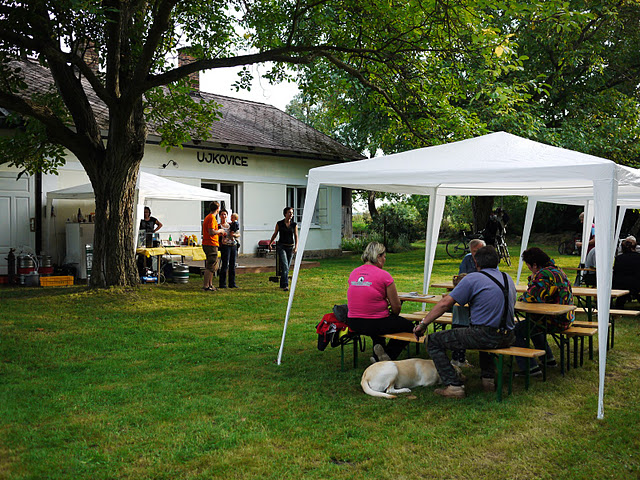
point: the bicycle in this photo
(568, 247)
(502, 249)
(459, 247)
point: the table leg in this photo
(500, 361)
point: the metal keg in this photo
(45, 267)
(26, 266)
(180, 273)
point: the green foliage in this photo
(358, 243)
(395, 220)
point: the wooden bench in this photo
(613, 314)
(588, 324)
(498, 355)
(576, 333)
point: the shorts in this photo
(212, 258)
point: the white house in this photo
(256, 153)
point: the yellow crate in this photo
(59, 281)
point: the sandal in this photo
(209, 289)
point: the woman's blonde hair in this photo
(372, 252)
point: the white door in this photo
(17, 215)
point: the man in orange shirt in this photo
(210, 245)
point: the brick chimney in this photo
(185, 58)
(87, 49)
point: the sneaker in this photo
(285, 289)
(452, 391)
(458, 363)
(222, 286)
(380, 353)
(488, 384)
(534, 372)
(552, 363)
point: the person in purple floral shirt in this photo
(547, 284)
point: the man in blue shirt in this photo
(491, 296)
(460, 314)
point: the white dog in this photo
(382, 379)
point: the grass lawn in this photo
(169, 382)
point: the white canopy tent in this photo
(148, 186)
(494, 164)
(628, 197)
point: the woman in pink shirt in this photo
(374, 305)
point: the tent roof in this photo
(149, 186)
(494, 164)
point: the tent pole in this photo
(436, 208)
(526, 234)
(605, 200)
(307, 215)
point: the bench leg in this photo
(500, 362)
(582, 350)
(342, 357)
(355, 351)
(561, 345)
(575, 352)
(510, 390)
(613, 332)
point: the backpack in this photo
(330, 330)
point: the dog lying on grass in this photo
(384, 379)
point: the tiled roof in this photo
(244, 123)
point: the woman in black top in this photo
(148, 226)
(287, 244)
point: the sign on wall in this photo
(223, 159)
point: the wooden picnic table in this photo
(524, 307)
(588, 292)
(521, 307)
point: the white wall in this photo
(17, 207)
(261, 178)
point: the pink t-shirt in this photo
(367, 293)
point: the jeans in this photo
(374, 327)
(539, 340)
(284, 253)
(461, 338)
(228, 255)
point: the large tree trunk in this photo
(371, 201)
(347, 213)
(481, 207)
(113, 175)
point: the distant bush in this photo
(398, 219)
(400, 244)
(358, 244)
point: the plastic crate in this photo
(58, 281)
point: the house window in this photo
(296, 197)
(230, 188)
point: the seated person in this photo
(547, 284)
(460, 314)
(626, 271)
(371, 294)
(589, 278)
(491, 296)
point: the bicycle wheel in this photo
(456, 248)
(566, 247)
(504, 253)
